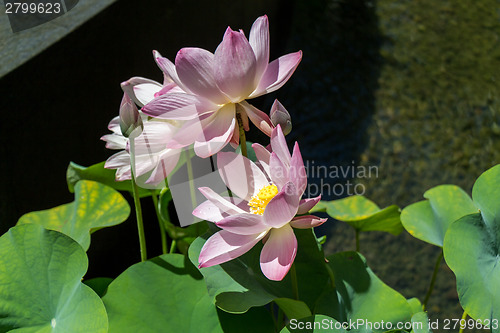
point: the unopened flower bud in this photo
(130, 120)
(280, 116)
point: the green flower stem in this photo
(294, 282)
(173, 246)
(137, 204)
(464, 316)
(357, 239)
(433, 280)
(243, 140)
(330, 274)
(189, 167)
(163, 234)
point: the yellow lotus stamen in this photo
(259, 201)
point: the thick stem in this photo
(464, 316)
(295, 286)
(137, 204)
(243, 140)
(433, 280)
(163, 233)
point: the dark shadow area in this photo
(331, 98)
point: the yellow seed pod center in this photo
(259, 201)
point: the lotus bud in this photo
(130, 120)
(280, 116)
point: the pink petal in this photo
(188, 132)
(278, 253)
(235, 66)
(307, 221)
(166, 163)
(263, 157)
(279, 146)
(259, 40)
(278, 171)
(154, 137)
(224, 246)
(297, 170)
(243, 224)
(217, 132)
(169, 87)
(178, 106)
(258, 118)
(168, 68)
(224, 205)
(283, 207)
(277, 73)
(240, 174)
(117, 160)
(114, 141)
(305, 205)
(208, 211)
(195, 67)
(140, 90)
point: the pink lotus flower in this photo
(216, 85)
(270, 202)
(152, 158)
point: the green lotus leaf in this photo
(96, 206)
(97, 172)
(41, 289)
(428, 220)
(472, 251)
(239, 284)
(362, 214)
(360, 295)
(168, 294)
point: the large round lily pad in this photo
(96, 206)
(41, 289)
(362, 214)
(472, 251)
(168, 294)
(428, 220)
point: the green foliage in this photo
(98, 173)
(472, 250)
(362, 214)
(168, 293)
(239, 284)
(96, 206)
(40, 290)
(183, 236)
(428, 220)
(360, 294)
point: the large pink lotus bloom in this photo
(270, 206)
(217, 85)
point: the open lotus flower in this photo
(269, 209)
(216, 85)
